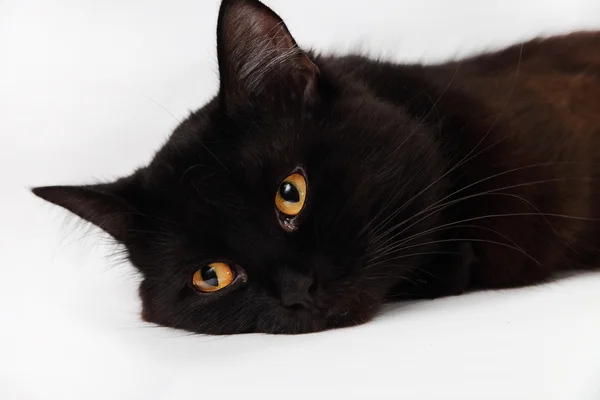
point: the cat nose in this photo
(295, 288)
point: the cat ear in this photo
(258, 57)
(104, 205)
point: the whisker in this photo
(432, 253)
(468, 155)
(398, 246)
(440, 207)
(129, 89)
(517, 215)
(501, 174)
(473, 240)
(398, 193)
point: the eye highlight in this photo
(213, 277)
(291, 195)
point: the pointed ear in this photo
(104, 205)
(258, 57)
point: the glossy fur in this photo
(422, 181)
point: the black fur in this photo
(391, 155)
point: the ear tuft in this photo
(257, 54)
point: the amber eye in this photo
(213, 277)
(291, 195)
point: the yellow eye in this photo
(291, 195)
(213, 277)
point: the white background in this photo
(79, 85)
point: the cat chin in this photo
(364, 308)
(307, 323)
(284, 321)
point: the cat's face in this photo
(272, 209)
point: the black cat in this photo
(311, 189)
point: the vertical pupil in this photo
(209, 276)
(289, 192)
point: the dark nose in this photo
(295, 288)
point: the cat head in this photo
(280, 205)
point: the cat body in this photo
(312, 189)
(523, 126)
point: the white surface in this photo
(75, 78)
